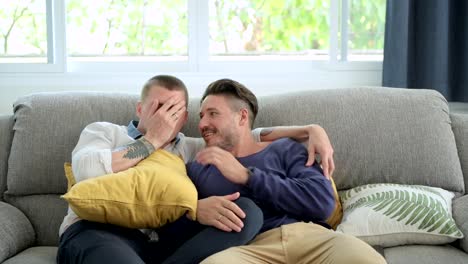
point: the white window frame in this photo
(198, 50)
(56, 55)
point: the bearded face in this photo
(218, 123)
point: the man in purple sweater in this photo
(295, 199)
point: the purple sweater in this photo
(281, 185)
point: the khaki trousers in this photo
(300, 243)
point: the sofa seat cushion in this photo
(35, 255)
(421, 254)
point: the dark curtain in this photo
(426, 46)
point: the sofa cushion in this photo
(35, 255)
(337, 215)
(421, 254)
(67, 167)
(378, 134)
(45, 212)
(47, 128)
(16, 232)
(460, 129)
(154, 192)
(394, 214)
(6, 124)
(460, 214)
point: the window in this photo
(260, 28)
(23, 32)
(32, 41)
(366, 30)
(137, 29)
(189, 35)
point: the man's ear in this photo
(138, 109)
(244, 117)
(185, 116)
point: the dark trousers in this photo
(183, 241)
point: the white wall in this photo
(15, 85)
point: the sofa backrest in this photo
(47, 127)
(409, 129)
(379, 135)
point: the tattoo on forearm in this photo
(141, 148)
(266, 131)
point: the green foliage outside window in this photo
(23, 30)
(151, 27)
(270, 26)
(367, 25)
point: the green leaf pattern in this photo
(414, 205)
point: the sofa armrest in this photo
(16, 231)
(460, 214)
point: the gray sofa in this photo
(379, 135)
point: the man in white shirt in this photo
(105, 148)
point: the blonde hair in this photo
(168, 82)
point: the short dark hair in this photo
(169, 82)
(237, 91)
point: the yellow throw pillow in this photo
(335, 218)
(67, 167)
(154, 192)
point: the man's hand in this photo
(320, 143)
(221, 212)
(158, 123)
(226, 163)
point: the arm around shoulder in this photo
(300, 191)
(318, 142)
(299, 133)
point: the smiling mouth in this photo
(208, 134)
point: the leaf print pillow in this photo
(393, 214)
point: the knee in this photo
(354, 250)
(253, 220)
(97, 246)
(211, 260)
(362, 258)
(253, 213)
(223, 257)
